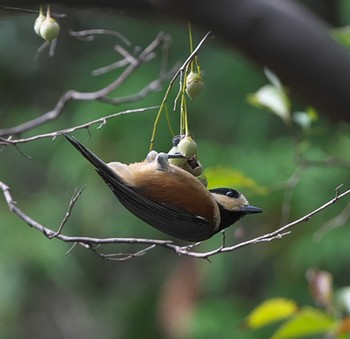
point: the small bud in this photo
(187, 147)
(49, 29)
(194, 84)
(39, 21)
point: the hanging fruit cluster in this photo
(184, 144)
(45, 26)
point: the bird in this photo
(169, 198)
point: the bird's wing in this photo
(168, 219)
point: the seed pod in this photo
(49, 29)
(179, 162)
(194, 84)
(193, 166)
(39, 21)
(187, 147)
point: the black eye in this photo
(233, 194)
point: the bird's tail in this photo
(101, 167)
(128, 197)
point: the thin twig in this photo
(53, 135)
(152, 87)
(125, 256)
(336, 222)
(32, 11)
(109, 68)
(72, 202)
(89, 35)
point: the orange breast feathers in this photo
(171, 185)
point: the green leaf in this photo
(272, 77)
(274, 99)
(309, 321)
(302, 119)
(221, 176)
(271, 311)
(305, 119)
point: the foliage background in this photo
(45, 293)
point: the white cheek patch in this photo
(229, 203)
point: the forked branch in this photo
(130, 63)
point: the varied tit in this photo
(169, 198)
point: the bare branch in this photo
(109, 68)
(32, 11)
(53, 135)
(94, 244)
(133, 63)
(86, 242)
(89, 35)
(153, 86)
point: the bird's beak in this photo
(251, 209)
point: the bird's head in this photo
(233, 206)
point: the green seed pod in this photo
(194, 84)
(49, 29)
(39, 21)
(187, 147)
(179, 162)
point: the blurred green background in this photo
(46, 293)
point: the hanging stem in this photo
(168, 120)
(196, 60)
(183, 107)
(185, 116)
(191, 42)
(182, 72)
(162, 106)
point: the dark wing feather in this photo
(168, 219)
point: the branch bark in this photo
(281, 35)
